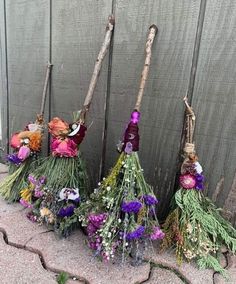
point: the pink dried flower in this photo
(187, 181)
(25, 203)
(23, 153)
(157, 234)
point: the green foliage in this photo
(210, 261)
(11, 186)
(198, 230)
(63, 172)
(125, 183)
(60, 172)
(62, 278)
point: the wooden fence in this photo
(194, 54)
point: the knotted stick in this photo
(151, 35)
(39, 119)
(97, 68)
(190, 120)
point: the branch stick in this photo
(151, 35)
(97, 67)
(49, 66)
(190, 121)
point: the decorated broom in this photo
(195, 226)
(26, 146)
(120, 216)
(59, 184)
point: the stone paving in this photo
(30, 253)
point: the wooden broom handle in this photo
(42, 108)
(151, 35)
(97, 67)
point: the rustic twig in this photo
(42, 108)
(189, 147)
(151, 35)
(97, 67)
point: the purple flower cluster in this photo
(95, 223)
(66, 211)
(136, 234)
(96, 244)
(150, 199)
(37, 185)
(199, 181)
(131, 206)
(30, 215)
(157, 234)
(13, 158)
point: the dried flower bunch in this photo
(66, 183)
(26, 147)
(195, 226)
(120, 214)
(58, 185)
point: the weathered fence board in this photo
(71, 33)
(214, 101)
(78, 29)
(3, 82)
(162, 107)
(28, 52)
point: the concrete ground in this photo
(32, 254)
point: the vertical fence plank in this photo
(162, 107)
(3, 83)
(78, 29)
(214, 101)
(28, 52)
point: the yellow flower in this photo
(45, 212)
(26, 194)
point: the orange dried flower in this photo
(35, 141)
(24, 134)
(58, 127)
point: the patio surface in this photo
(30, 253)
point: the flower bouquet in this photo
(26, 147)
(120, 215)
(195, 226)
(63, 172)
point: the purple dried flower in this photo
(42, 180)
(13, 158)
(150, 199)
(66, 211)
(96, 245)
(31, 217)
(97, 219)
(136, 234)
(38, 193)
(91, 229)
(157, 234)
(77, 200)
(32, 179)
(128, 148)
(131, 207)
(25, 203)
(199, 181)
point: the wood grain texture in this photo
(3, 84)
(162, 107)
(78, 30)
(214, 101)
(28, 52)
